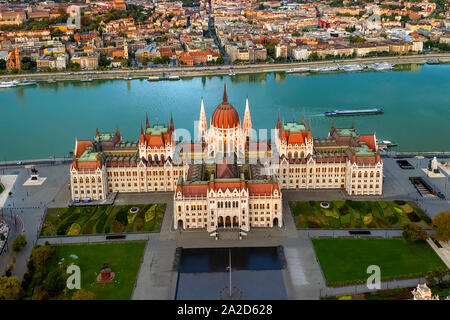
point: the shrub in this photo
(74, 230)
(19, 242)
(122, 217)
(412, 233)
(400, 202)
(343, 210)
(83, 295)
(441, 224)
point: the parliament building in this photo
(226, 177)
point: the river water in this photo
(44, 120)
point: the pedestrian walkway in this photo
(443, 253)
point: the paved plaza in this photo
(157, 278)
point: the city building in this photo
(227, 177)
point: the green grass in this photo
(124, 259)
(358, 214)
(345, 261)
(102, 219)
(1, 188)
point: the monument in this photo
(422, 292)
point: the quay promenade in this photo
(196, 71)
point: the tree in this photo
(83, 295)
(40, 255)
(19, 242)
(413, 232)
(10, 288)
(295, 34)
(220, 60)
(74, 66)
(28, 63)
(55, 282)
(103, 61)
(144, 61)
(441, 224)
(56, 33)
(2, 64)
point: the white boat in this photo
(174, 77)
(153, 78)
(329, 68)
(381, 66)
(8, 84)
(315, 69)
(352, 67)
(297, 70)
(26, 82)
(87, 79)
(231, 73)
(53, 80)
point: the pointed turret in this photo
(97, 133)
(278, 121)
(142, 139)
(309, 130)
(225, 97)
(303, 117)
(247, 120)
(172, 127)
(202, 124)
(117, 132)
(147, 125)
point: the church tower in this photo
(247, 120)
(125, 49)
(202, 124)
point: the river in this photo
(44, 120)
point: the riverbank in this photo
(216, 70)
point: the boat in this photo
(337, 113)
(231, 73)
(314, 69)
(383, 144)
(329, 68)
(431, 62)
(128, 77)
(86, 79)
(352, 67)
(153, 78)
(297, 70)
(26, 82)
(174, 77)
(382, 66)
(8, 84)
(53, 80)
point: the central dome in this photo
(225, 116)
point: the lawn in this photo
(345, 261)
(357, 214)
(102, 219)
(124, 259)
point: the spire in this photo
(225, 97)
(172, 127)
(303, 116)
(147, 125)
(142, 130)
(202, 124)
(332, 123)
(97, 133)
(353, 124)
(247, 120)
(117, 132)
(278, 121)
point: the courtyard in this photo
(345, 261)
(73, 221)
(357, 214)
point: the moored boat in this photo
(298, 70)
(337, 113)
(86, 79)
(8, 84)
(26, 82)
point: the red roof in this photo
(225, 116)
(369, 140)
